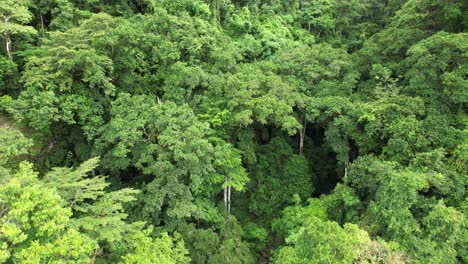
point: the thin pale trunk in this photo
(301, 142)
(225, 194)
(93, 258)
(346, 169)
(320, 32)
(229, 199)
(7, 40)
(42, 23)
(302, 132)
(8, 46)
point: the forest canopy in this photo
(233, 131)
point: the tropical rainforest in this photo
(233, 131)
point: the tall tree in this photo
(14, 14)
(34, 224)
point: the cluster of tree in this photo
(233, 131)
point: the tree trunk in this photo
(8, 45)
(229, 200)
(93, 258)
(320, 32)
(346, 169)
(227, 196)
(215, 6)
(7, 39)
(42, 23)
(302, 132)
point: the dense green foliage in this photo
(233, 131)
